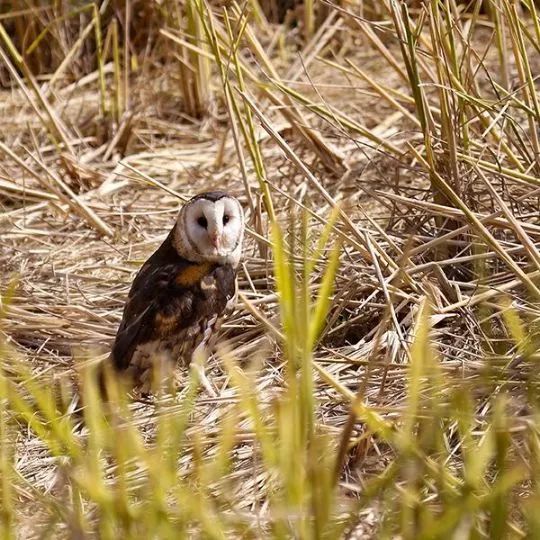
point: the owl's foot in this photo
(199, 369)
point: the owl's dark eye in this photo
(202, 222)
(226, 219)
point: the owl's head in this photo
(210, 228)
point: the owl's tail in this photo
(94, 386)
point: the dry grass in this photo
(417, 128)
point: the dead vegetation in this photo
(413, 128)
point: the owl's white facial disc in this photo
(211, 230)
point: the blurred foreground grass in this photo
(448, 475)
(111, 483)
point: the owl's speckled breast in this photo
(165, 355)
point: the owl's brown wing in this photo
(155, 293)
(224, 278)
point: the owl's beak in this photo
(214, 240)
